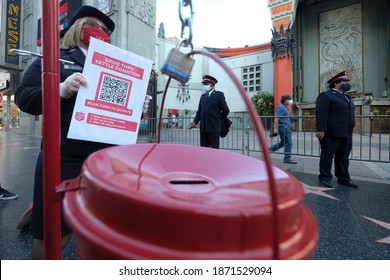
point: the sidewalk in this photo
(353, 224)
(378, 172)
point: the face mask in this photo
(290, 101)
(94, 33)
(345, 87)
(206, 88)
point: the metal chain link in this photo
(186, 22)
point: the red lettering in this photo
(9, 47)
(12, 28)
(64, 8)
(13, 23)
(13, 35)
(13, 10)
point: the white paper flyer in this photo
(109, 109)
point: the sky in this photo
(218, 23)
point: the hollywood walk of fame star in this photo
(317, 191)
(385, 240)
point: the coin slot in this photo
(188, 182)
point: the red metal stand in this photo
(259, 132)
(51, 128)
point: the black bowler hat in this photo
(209, 79)
(89, 11)
(342, 76)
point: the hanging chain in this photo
(186, 22)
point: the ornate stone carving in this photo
(143, 10)
(341, 45)
(28, 8)
(161, 31)
(283, 42)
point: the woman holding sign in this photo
(86, 23)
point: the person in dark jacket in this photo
(212, 110)
(86, 22)
(335, 120)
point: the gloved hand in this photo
(146, 103)
(72, 84)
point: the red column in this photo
(282, 79)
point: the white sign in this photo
(109, 109)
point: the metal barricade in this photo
(176, 130)
(371, 141)
(371, 137)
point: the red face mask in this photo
(94, 33)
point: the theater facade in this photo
(315, 39)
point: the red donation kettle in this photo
(167, 201)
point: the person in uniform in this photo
(212, 110)
(335, 120)
(87, 22)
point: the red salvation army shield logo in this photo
(80, 116)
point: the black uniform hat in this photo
(342, 76)
(89, 11)
(209, 79)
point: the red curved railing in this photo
(260, 134)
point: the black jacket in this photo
(28, 97)
(335, 114)
(211, 111)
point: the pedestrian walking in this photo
(282, 127)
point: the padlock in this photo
(178, 66)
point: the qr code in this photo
(114, 90)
